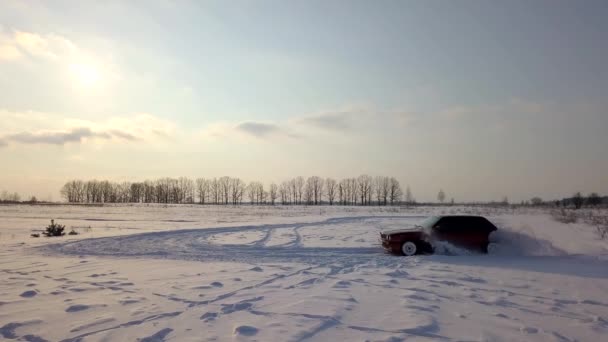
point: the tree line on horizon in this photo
(362, 190)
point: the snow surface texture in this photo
(190, 273)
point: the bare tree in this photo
(594, 199)
(252, 192)
(308, 191)
(317, 189)
(215, 191)
(364, 183)
(409, 198)
(536, 201)
(342, 192)
(228, 190)
(395, 192)
(353, 191)
(441, 196)
(136, 192)
(285, 193)
(225, 189)
(330, 190)
(299, 189)
(237, 188)
(261, 195)
(202, 190)
(577, 200)
(381, 187)
(273, 192)
(123, 192)
(185, 190)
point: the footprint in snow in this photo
(215, 284)
(33, 338)
(230, 308)
(8, 330)
(397, 274)
(129, 301)
(256, 269)
(472, 280)
(159, 336)
(591, 302)
(342, 284)
(77, 307)
(209, 316)
(28, 294)
(240, 306)
(246, 330)
(528, 330)
(82, 307)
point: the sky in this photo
(481, 99)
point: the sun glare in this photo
(85, 75)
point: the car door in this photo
(455, 230)
(445, 230)
(479, 236)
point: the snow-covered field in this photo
(191, 273)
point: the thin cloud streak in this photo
(51, 130)
(258, 129)
(75, 135)
(336, 121)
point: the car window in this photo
(445, 224)
(461, 224)
(429, 222)
(484, 224)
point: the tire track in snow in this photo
(193, 244)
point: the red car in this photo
(471, 232)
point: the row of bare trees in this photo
(6, 196)
(363, 190)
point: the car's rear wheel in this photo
(409, 248)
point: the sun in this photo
(85, 75)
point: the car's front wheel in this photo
(409, 248)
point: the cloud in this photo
(52, 51)
(335, 121)
(75, 135)
(123, 135)
(49, 129)
(317, 124)
(53, 138)
(9, 52)
(249, 129)
(18, 44)
(258, 129)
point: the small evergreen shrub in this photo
(54, 229)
